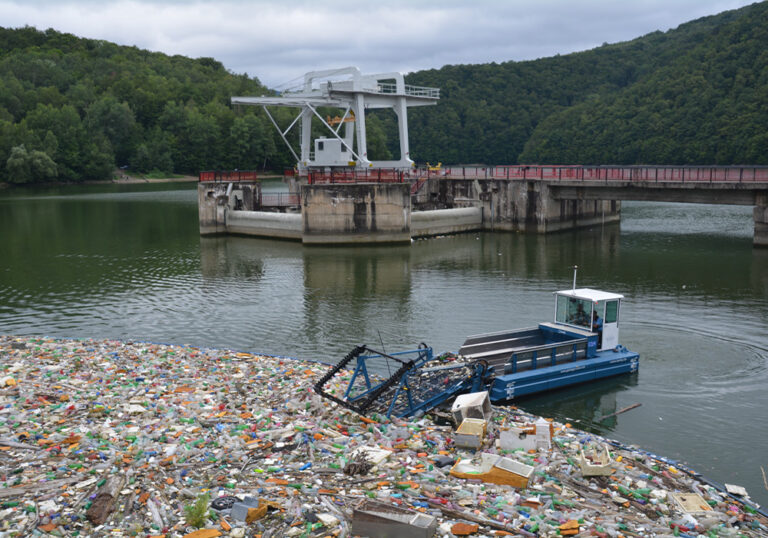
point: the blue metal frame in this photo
(424, 355)
(403, 396)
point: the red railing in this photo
(358, 176)
(227, 175)
(417, 185)
(731, 174)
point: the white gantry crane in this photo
(351, 91)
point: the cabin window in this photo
(343, 148)
(320, 146)
(573, 311)
(611, 311)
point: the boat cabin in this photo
(591, 310)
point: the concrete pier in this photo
(356, 213)
(760, 215)
(353, 213)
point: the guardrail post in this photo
(554, 356)
(533, 360)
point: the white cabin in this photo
(577, 308)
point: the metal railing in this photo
(389, 88)
(681, 174)
(546, 355)
(357, 176)
(220, 176)
(279, 199)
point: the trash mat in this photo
(110, 438)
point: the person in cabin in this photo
(597, 327)
(580, 317)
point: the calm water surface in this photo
(127, 262)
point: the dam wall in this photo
(446, 221)
(357, 213)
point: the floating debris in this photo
(108, 438)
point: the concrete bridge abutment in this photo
(760, 216)
(353, 213)
(529, 206)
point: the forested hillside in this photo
(73, 109)
(697, 94)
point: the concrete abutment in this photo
(388, 213)
(760, 216)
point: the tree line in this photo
(73, 109)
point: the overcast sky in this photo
(279, 40)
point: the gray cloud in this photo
(278, 41)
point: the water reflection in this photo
(584, 405)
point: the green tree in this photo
(30, 166)
(115, 121)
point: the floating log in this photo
(620, 411)
(104, 502)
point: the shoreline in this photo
(125, 180)
(172, 422)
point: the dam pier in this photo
(395, 206)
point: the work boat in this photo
(581, 344)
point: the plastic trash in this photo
(138, 433)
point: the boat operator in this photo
(597, 326)
(580, 317)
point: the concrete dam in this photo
(382, 206)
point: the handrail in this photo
(223, 176)
(380, 175)
(389, 88)
(279, 199)
(623, 173)
(575, 345)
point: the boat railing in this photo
(542, 356)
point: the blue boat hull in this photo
(605, 364)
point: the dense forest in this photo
(697, 94)
(73, 109)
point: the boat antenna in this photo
(575, 268)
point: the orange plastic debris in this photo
(464, 529)
(255, 514)
(203, 533)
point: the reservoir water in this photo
(127, 262)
